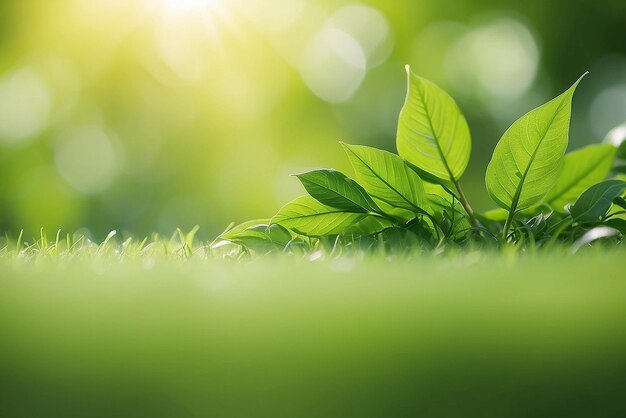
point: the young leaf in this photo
(620, 202)
(581, 169)
(596, 201)
(236, 229)
(386, 177)
(335, 189)
(448, 214)
(263, 238)
(527, 161)
(432, 133)
(307, 216)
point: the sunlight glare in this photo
(212, 11)
(189, 5)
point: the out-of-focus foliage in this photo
(153, 114)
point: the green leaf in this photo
(620, 169)
(594, 234)
(368, 226)
(619, 201)
(439, 198)
(263, 238)
(428, 179)
(621, 145)
(617, 223)
(335, 189)
(448, 213)
(581, 169)
(432, 133)
(495, 215)
(445, 209)
(527, 161)
(500, 214)
(399, 214)
(596, 201)
(236, 229)
(386, 177)
(307, 216)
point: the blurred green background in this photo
(146, 115)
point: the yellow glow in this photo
(190, 5)
(209, 10)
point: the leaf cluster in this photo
(414, 199)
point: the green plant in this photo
(545, 196)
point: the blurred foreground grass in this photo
(467, 335)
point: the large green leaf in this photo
(368, 226)
(581, 169)
(333, 188)
(399, 214)
(307, 216)
(386, 177)
(596, 201)
(432, 133)
(527, 161)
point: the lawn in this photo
(468, 335)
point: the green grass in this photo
(166, 329)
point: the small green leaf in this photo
(263, 238)
(439, 198)
(445, 209)
(335, 189)
(527, 160)
(307, 216)
(386, 177)
(619, 201)
(236, 229)
(581, 169)
(432, 133)
(448, 213)
(596, 201)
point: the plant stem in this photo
(466, 205)
(507, 224)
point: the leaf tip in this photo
(345, 145)
(580, 79)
